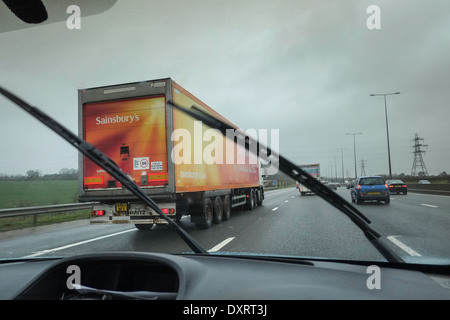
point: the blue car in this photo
(372, 188)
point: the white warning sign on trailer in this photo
(156, 165)
(141, 163)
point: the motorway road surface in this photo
(416, 226)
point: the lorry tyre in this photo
(218, 210)
(226, 208)
(259, 197)
(250, 205)
(143, 226)
(206, 215)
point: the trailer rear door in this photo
(132, 132)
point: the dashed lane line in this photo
(221, 245)
(403, 246)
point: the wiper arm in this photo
(103, 161)
(304, 178)
(138, 295)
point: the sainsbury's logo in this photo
(117, 119)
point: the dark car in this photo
(372, 188)
(333, 185)
(397, 186)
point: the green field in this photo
(16, 194)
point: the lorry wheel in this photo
(206, 215)
(218, 210)
(226, 208)
(143, 226)
(250, 205)
(259, 197)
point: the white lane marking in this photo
(275, 209)
(267, 194)
(403, 246)
(39, 253)
(286, 200)
(428, 205)
(221, 245)
(425, 194)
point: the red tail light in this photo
(168, 210)
(358, 187)
(98, 212)
(386, 186)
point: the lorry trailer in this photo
(186, 167)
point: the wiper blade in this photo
(302, 177)
(103, 161)
(137, 295)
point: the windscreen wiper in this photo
(298, 174)
(112, 294)
(103, 161)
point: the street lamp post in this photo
(342, 162)
(354, 149)
(387, 127)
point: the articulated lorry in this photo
(313, 170)
(186, 167)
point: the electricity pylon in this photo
(419, 167)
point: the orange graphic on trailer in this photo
(133, 134)
(196, 174)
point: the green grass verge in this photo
(15, 223)
(18, 194)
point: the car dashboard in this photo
(211, 277)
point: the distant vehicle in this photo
(371, 188)
(424, 182)
(333, 185)
(350, 184)
(313, 170)
(397, 186)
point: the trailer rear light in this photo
(98, 213)
(158, 177)
(168, 210)
(93, 180)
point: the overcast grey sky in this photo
(306, 68)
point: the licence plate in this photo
(373, 192)
(398, 186)
(121, 207)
